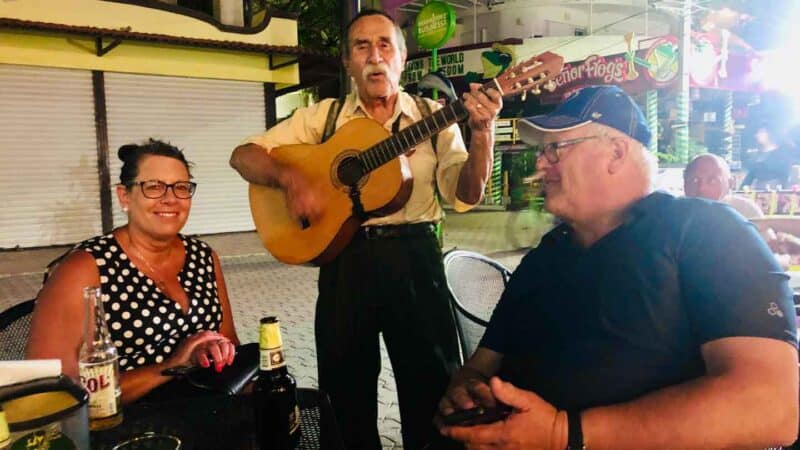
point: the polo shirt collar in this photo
(648, 204)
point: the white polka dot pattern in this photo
(141, 329)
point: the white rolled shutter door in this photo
(205, 118)
(48, 176)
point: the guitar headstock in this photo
(531, 75)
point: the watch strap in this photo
(575, 431)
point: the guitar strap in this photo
(336, 109)
(333, 116)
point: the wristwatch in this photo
(575, 436)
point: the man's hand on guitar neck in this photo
(483, 107)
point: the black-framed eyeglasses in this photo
(551, 149)
(157, 188)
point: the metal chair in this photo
(476, 283)
(15, 324)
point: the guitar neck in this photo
(420, 131)
(400, 142)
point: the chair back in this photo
(476, 283)
(15, 325)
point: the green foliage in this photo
(318, 22)
(523, 164)
(668, 158)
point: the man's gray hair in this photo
(345, 44)
(646, 161)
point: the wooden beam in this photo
(101, 135)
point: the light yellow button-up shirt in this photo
(443, 166)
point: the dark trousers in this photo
(395, 286)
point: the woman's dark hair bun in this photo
(131, 154)
(127, 151)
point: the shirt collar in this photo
(353, 105)
(648, 204)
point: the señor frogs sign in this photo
(594, 70)
(636, 71)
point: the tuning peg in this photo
(524, 95)
(535, 90)
(550, 86)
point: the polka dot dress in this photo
(146, 325)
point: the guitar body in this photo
(384, 190)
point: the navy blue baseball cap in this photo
(606, 104)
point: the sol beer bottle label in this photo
(98, 379)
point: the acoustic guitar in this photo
(362, 172)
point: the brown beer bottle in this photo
(275, 393)
(98, 364)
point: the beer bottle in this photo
(275, 393)
(98, 364)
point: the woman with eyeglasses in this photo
(164, 294)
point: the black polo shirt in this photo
(584, 327)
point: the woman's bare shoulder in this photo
(72, 273)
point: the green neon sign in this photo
(435, 25)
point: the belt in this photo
(396, 231)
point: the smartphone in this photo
(477, 416)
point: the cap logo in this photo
(596, 115)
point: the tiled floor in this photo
(259, 286)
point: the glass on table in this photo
(150, 441)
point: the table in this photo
(221, 422)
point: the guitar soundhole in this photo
(349, 171)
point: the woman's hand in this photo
(200, 348)
(220, 351)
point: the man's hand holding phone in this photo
(469, 401)
(477, 416)
(527, 422)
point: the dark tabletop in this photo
(220, 422)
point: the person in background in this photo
(709, 176)
(389, 280)
(644, 321)
(771, 166)
(163, 293)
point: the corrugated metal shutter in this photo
(207, 119)
(48, 175)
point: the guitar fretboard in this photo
(399, 143)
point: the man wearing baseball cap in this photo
(642, 321)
